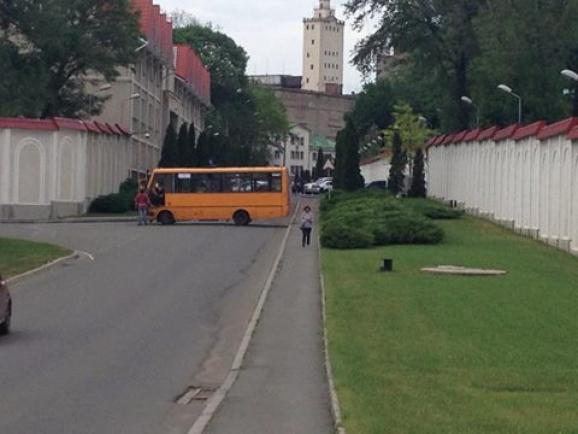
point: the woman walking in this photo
(306, 225)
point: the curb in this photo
(44, 267)
(335, 406)
(72, 220)
(219, 396)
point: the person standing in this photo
(142, 204)
(306, 225)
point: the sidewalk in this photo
(282, 387)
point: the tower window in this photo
(312, 67)
(308, 55)
(312, 26)
(307, 26)
(312, 41)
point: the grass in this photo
(420, 353)
(18, 256)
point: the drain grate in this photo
(194, 393)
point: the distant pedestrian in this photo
(306, 225)
(142, 204)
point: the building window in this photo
(312, 26)
(312, 41)
(308, 55)
(306, 80)
(307, 26)
(312, 67)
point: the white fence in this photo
(525, 177)
(54, 167)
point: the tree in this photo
(189, 157)
(319, 163)
(67, 41)
(411, 127)
(202, 150)
(183, 146)
(347, 175)
(418, 188)
(437, 34)
(170, 150)
(246, 117)
(398, 164)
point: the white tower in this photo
(323, 51)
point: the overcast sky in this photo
(271, 31)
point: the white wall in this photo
(56, 172)
(530, 185)
(376, 170)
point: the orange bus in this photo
(241, 194)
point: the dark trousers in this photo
(306, 236)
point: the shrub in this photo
(338, 235)
(433, 210)
(111, 203)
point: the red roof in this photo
(190, 68)
(528, 130)
(558, 128)
(122, 130)
(90, 126)
(28, 124)
(505, 133)
(103, 128)
(69, 124)
(439, 139)
(472, 135)
(156, 28)
(487, 134)
(448, 139)
(458, 138)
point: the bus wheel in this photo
(166, 218)
(241, 218)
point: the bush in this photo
(359, 220)
(338, 235)
(433, 210)
(111, 203)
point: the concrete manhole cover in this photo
(463, 271)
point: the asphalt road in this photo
(108, 345)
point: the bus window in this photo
(276, 182)
(207, 183)
(183, 183)
(237, 182)
(261, 182)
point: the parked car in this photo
(311, 188)
(326, 185)
(382, 185)
(5, 308)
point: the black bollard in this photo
(387, 264)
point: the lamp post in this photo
(571, 75)
(469, 101)
(130, 98)
(508, 90)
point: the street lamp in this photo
(144, 44)
(134, 95)
(508, 89)
(469, 101)
(568, 73)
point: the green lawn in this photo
(419, 353)
(18, 256)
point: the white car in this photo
(311, 188)
(326, 185)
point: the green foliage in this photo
(48, 47)
(170, 149)
(202, 156)
(246, 118)
(412, 128)
(398, 164)
(115, 203)
(188, 156)
(418, 188)
(447, 50)
(183, 147)
(432, 210)
(347, 173)
(373, 218)
(319, 163)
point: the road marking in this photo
(220, 394)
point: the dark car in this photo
(381, 185)
(5, 307)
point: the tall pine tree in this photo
(418, 188)
(202, 150)
(340, 157)
(320, 163)
(182, 145)
(398, 163)
(170, 151)
(352, 178)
